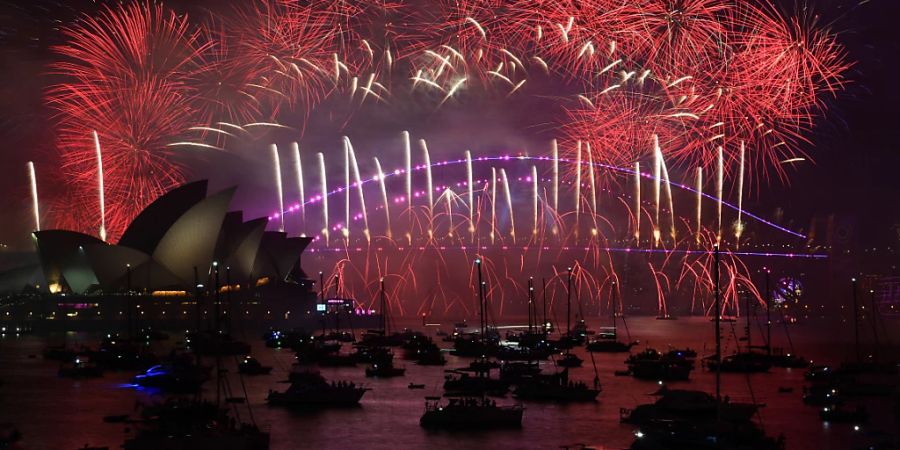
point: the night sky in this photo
(854, 146)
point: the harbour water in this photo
(55, 413)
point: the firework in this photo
(137, 104)
(32, 178)
(686, 86)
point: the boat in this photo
(779, 358)
(150, 334)
(819, 373)
(653, 365)
(382, 337)
(691, 419)
(838, 414)
(251, 366)
(724, 319)
(475, 344)
(183, 424)
(682, 404)
(339, 336)
(309, 388)
(708, 435)
(314, 350)
(469, 413)
(80, 367)
(569, 360)
(555, 388)
(686, 352)
(384, 370)
(431, 358)
(822, 395)
(607, 341)
(520, 353)
(743, 362)
(180, 376)
(570, 339)
(459, 383)
(316, 392)
(119, 353)
(373, 354)
(481, 365)
(517, 370)
(274, 339)
(216, 344)
(607, 345)
(424, 352)
(337, 360)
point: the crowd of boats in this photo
(533, 364)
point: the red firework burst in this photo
(123, 74)
(697, 73)
(227, 87)
(291, 47)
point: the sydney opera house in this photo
(179, 255)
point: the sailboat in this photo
(531, 344)
(198, 423)
(571, 338)
(608, 341)
(382, 336)
(747, 361)
(860, 377)
(375, 350)
(459, 381)
(485, 342)
(695, 419)
(778, 356)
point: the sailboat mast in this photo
(197, 293)
(747, 314)
(337, 294)
(768, 315)
(718, 330)
(544, 294)
(615, 305)
(874, 315)
(322, 299)
(383, 311)
(569, 306)
(855, 321)
(216, 336)
(531, 312)
(228, 310)
(481, 301)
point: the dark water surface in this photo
(55, 413)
